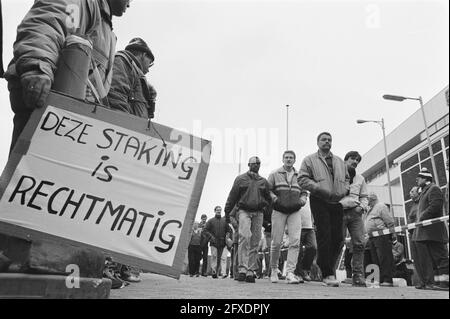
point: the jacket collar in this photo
(253, 175)
(282, 170)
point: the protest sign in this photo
(106, 180)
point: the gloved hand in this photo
(302, 201)
(36, 88)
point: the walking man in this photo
(288, 198)
(325, 176)
(218, 228)
(251, 194)
(353, 217)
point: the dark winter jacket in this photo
(250, 192)
(130, 91)
(218, 229)
(430, 206)
(285, 194)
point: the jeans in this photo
(354, 223)
(219, 253)
(194, 255)
(308, 253)
(328, 219)
(381, 255)
(250, 225)
(294, 225)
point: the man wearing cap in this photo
(325, 176)
(430, 241)
(251, 194)
(130, 92)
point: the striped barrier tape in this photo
(400, 229)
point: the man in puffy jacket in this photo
(251, 194)
(40, 38)
(325, 176)
(130, 92)
(288, 198)
(218, 228)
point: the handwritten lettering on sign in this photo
(104, 185)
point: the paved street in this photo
(161, 287)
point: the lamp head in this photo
(394, 98)
(361, 121)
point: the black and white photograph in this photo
(224, 156)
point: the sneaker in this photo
(331, 281)
(358, 281)
(386, 284)
(291, 279)
(250, 279)
(274, 277)
(214, 276)
(242, 276)
(306, 276)
(348, 281)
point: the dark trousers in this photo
(204, 258)
(423, 266)
(329, 223)
(21, 113)
(348, 262)
(234, 260)
(308, 250)
(194, 256)
(381, 255)
(433, 251)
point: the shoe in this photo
(424, 287)
(224, 276)
(442, 286)
(274, 277)
(331, 281)
(358, 281)
(306, 276)
(214, 276)
(132, 278)
(197, 275)
(292, 279)
(300, 279)
(191, 275)
(242, 276)
(250, 279)
(386, 284)
(348, 281)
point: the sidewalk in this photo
(160, 287)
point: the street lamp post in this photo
(287, 126)
(401, 99)
(386, 159)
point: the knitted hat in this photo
(140, 45)
(424, 173)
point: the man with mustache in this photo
(326, 177)
(353, 217)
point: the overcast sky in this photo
(228, 68)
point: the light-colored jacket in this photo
(315, 177)
(378, 218)
(42, 34)
(358, 191)
(285, 193)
